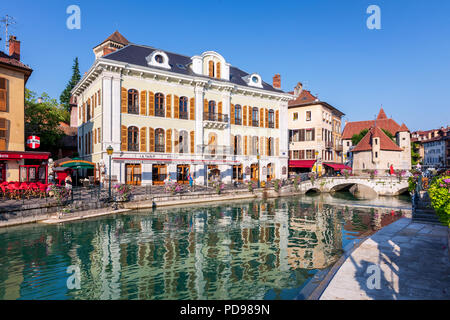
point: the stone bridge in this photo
(362, 186)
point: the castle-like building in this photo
(166, 114)
(386, 143)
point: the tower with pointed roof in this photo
(114, 42)
(376, 150)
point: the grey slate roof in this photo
(136, 54)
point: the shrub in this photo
(312, 177)
(122, 191)
(276, 184)
(346, 173)
(61, 194)
(439, 192)
(399, 174)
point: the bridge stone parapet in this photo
(382, 186)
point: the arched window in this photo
(88, 111)
(183, 108)
(255, 117)
(159, 105)
(211, 110)
(183, 142)
(133, 101)
(212, 143)
(271, 119)
(237, 145)
(133, 139)
(237, 114)
(270, 146)
(159, 140)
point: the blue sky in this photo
(405, 66)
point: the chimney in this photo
(14, 48)
(298, 89)
(276, 81)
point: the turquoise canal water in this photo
(238, 250)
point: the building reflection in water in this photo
(247, 250)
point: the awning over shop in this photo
(301, 163)
(18, 155)
(78, 164)
(338, 166)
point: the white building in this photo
(434, 153)
(169, 114)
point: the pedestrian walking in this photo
(68, 184)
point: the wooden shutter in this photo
(192, 142)
(143, 139)
(192, 109)
(176, 141)
(169, 106)
(143, 103)
(211, 68)
(176, 107)
(244, 113)
(277, 119)
(261, 117)
(152, 139)
(84, 112)
(267, 118)
(261, 145)
(3, 133)
(3, 94)
(169, 140)
(205, 105)
(277, 146)
(218, 70)
(99, 96)
(219, 107)
(123, 140)
(232, 144)
(232, 114)
(267, 147)
(95, 136)
(124, 100)
(246, 145)
(151, 103)
(99, 135)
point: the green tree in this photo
(390, 135)
(356, 138)
(64, 99)
(415, 156)
(43, 119)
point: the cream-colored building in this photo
(168, 114)
(376, 150)
(314, 131)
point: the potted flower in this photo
(276, 185)
(122, 192)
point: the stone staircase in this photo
(423, 211)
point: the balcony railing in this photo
(159, 148)
(183, 115)
(213, 150)
(238, 121)
(159, 112)
(329, 144)
(255, 123)
(133, 147)
(271, 125)
(217, 117)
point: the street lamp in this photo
(109, 151)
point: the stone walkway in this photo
(411, 259)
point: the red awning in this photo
(18, 155)
(337, 166)
(301, 163)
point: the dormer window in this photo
(253, 80)
(158, 59)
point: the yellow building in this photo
(15, 163)
(167, 114)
